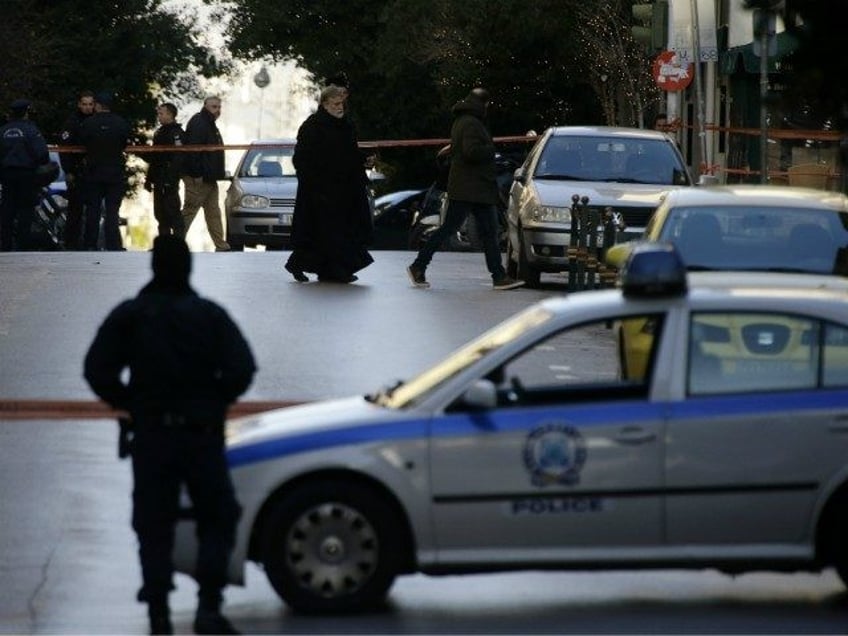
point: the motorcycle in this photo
(467, 239)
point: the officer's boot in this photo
(209, 619)
(160, 617)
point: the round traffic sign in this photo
(671, 73)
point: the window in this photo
(743, 352)
(835, 369)
(588, 362)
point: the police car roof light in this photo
(654, 270)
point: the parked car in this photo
(393, 216)
(623, 169)
(751, 227)
(260, 200)
(527, 448)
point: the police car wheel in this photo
(834, 523)
(329, 547)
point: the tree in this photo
(138, 49)
(409, 61)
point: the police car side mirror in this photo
(481, 396)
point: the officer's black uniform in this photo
(22, 150)
(72, 164)
(163, 177)
(188, 361)
(105, 136)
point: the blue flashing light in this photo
(654, 270)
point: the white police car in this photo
(527, 448)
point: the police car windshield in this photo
(412, 391)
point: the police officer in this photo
(187, 362)
(72, 164)
(163, 176)
(22, 150)
(105, 136)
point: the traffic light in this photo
(652, 28)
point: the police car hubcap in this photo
(332, 549)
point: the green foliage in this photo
(409, 61)
(53, 49)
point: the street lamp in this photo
(261, 79)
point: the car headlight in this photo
(551, 214)
(254, 201)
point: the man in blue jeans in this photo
(472, 189)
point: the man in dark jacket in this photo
(22, 150)
(72, 164)
(163, 176)
(187, 363)
(472, 189)
(105, 136)
(203, 170)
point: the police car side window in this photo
(584, 363)
(835, 366)
(752, 352)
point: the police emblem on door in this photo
(554, 454)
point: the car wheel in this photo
(835, 522)
(526, 272)
(511, 264)
(329, 547)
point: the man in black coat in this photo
(332, 218)
(203, 170)
(72, 164)
(472, 189)
(22, 150)
(187, 363)
(163, 176)
(105, 136)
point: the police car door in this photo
(761, 432)
(570, 459)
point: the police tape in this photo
(385, 143)
(94, 410)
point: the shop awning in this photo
(742, 59)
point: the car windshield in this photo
(268, 163)
(406, 393)
(763, 238)
(649, 161)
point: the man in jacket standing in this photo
(105, 136)
(163, 176)
(472, 189)
(202, 170)
(22, 150)
(187, 363)
(72, 164)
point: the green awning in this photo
(742, 59)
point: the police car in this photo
(530, 448)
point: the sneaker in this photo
(507, 283)
(416, 275)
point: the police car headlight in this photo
(254, 201)
(551, 214)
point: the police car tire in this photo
(835, 520)
(332, 515)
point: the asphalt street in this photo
(67, 553)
